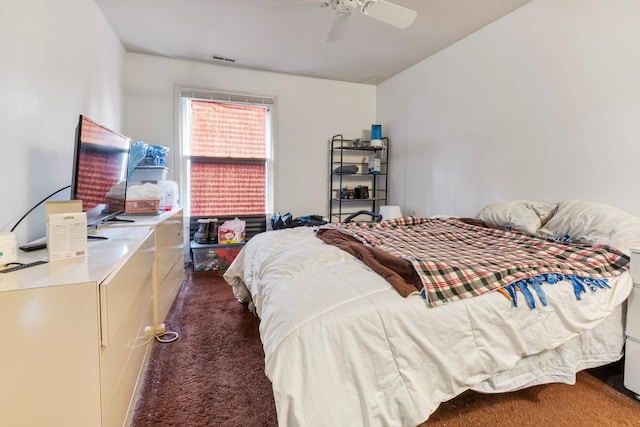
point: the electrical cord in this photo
(139, 342)
(38, 204)
(173, 335)
(142, 341)
(20, 265)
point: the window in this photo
(226, 145)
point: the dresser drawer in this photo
(125, 311)
(169, 288)
(126, 293)
(169, 244)
(635, 265)
(633, 313)
(632, 366)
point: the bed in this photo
(343, 347)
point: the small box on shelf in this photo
(142, 206)
(133, 206)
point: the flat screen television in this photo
(100, 164)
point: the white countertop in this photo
(102, 255)
(139, 220)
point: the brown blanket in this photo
(398, 272)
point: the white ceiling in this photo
(294, 42)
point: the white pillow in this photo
(520, 215)
(595, 223)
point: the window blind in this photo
(207, 95)
(228, 153)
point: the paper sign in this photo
(67, 235)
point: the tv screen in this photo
(99, 170)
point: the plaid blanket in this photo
(457, 260)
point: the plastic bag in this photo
(156, 155)
(146, 191)
(137, 152)
(279, 222)
(231, 231)
(143, 154)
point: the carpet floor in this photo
(213, 375)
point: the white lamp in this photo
(390, 212)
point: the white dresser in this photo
(76, 332)
(632, 345)
(169, 258)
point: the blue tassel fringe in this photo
(580, 285)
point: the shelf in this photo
(358, 174)
(370, 199)
(372, 149)
(338, 162)
(338, 139)
(372, 195)
(342, 154)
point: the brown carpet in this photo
(213, 375)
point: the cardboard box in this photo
(209, 257)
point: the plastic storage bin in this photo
(152, 174)
(209, 257)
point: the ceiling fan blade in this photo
(390, 13)
(299, 6)
(339, 26)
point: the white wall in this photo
(309, 112)
(60, 59)
(542, 104)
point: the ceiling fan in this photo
(382, 10)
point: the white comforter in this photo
(343, 348)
